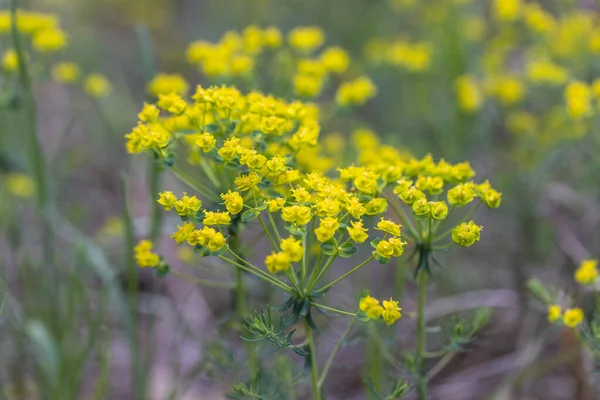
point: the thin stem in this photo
(335, 310)
(314, 371)
(261, 274)
(35, 155)
(421, 336)
(347, 274)
(441, 364)
(274, 225)
(403, 217)
(335, 350)
(197, 186)
(319, 273)
(204, 282)
(304, 260)
(273, 242)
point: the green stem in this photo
(240, 306)
(259, 273)
(421, 336)
(317, 274)
(36, 156)
(336, 348)
(353, 270)
(335, 310)
(204, 282)
(314, 371)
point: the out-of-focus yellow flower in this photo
(66, 72)
(335, 60)
(469, 94)
(356, 92)
(168, 83)
(96, 85)
(112, 227)
(587, 273)
(10, 61)
(272, 37)
(19, 185)
(508, 89)
(578, 98)
(49, 40)
(573, 317)
(554, 312)
(545, 71)
(307, 85)
(306, 39)
(506, 10)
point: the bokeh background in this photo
(68, 330)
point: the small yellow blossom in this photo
(466, 233)
(278, 262)
(587, 273)
(293, 248)
(554, 313)
(358, 233)
(233, 202)
(573, 317)
(167, 199)
(97, 85)
(216, 218)
(391, 311)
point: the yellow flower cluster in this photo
(571, 317)
(234, 55)
(388, 311)
(414, 57)
(587, 273)
(356, 92)
(43, 29)
(168, 83)
(144, 255)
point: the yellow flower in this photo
(272, 37)
(277, 262)
(335, 60)
(97, 85)
(144, 255)
(410, 195)
(276, 204)
(247, 181)
(233, 202)
(49, 40)
(587, 273)
(432, 184)
(166, 83)
(355, 92)
(573, 317)
(149, 113)
(397, 245)
(301, 195)
(206, 142)
(439, 209)
(216, 218)
(391, 311)
(167, 199)
(172, 103)
(293, 248)
(366, 183)
(578, 97)
(299, 215)
(371, 307)
(506, 10)
(306, 39)
(10, 61)
(241, 65)
(307, 85)
(469, 94)
(328, 207)
(376, 206)
(357, 232)
(356, 208)
(327, 228)
(388, 226)
(384, 249)
(20, 185)
(554, 313)
(461, 194)
(466, 234)
(187, 206)
(421, 207)
(217, 242)
(183, 232)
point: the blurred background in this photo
(490, 82)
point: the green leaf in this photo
(163, 269)
(347, 250)
(330, 247)
(249, 215)
(375, 242)
(262, 207)
(382, 260)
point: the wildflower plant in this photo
(243, 155)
